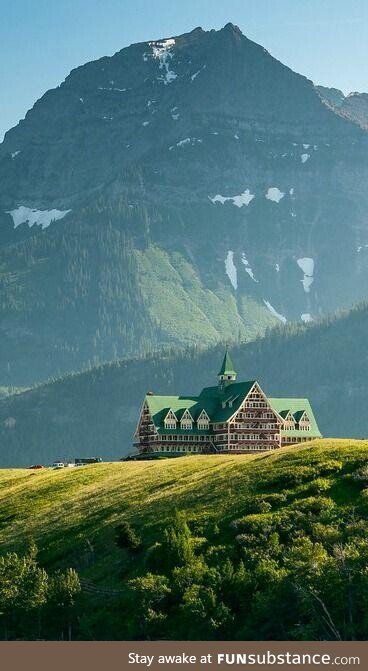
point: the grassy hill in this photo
(95, 413)
(262, 545)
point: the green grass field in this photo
(71, 514)
(262, 546)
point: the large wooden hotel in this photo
(232, 417)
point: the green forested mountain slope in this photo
(95, 413)
(261, 548)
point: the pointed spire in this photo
(227, 367)
(227, 374)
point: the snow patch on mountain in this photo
(231, 269)
(307, 266)
(23, 215)
(108, 88)
(248, 269)
(186, 140)
(274, 194)
(174, 113)
(195, 75)
(274, 312)
(241, 199)
(162, 52)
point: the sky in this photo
(42, 40)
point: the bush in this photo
(361, 476)
(291, 477)
(126, 537)
(255, 525)
(319, 486)
(316, 505)
(330, 466)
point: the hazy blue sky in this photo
(42, 40)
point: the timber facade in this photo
(229, 418)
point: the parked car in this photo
(36, 466)
(58, 464)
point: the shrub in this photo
(361, 476)
(330, 466)
(319, 486)
(291, 477)
(126, 537)
(316, 505)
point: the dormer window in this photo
(186, 420)
(203, 421)
(304, 422)
(170, 421)
(289, 422)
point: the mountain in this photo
(181, 192)
(258, 538)
(96, 412)
(353, 106)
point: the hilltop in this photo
(261, 545)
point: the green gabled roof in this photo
(296, 406)
(210, 399)
(159, 406)
(227, 367)
(235, 392)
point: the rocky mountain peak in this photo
(232, 29)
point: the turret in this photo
(227, 373)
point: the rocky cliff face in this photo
(182, 191)
(330, 95)
(353, 106)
